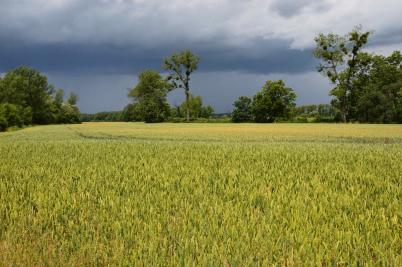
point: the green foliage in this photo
(340, 57)
(16, 115)
(27, 87)
(366, 86)
(242, 110)
(376, 95)
(150, 96)
(154, 111)
(3, 123)
(317, 113)
(196, 109)
(69, 114)
(181, 65)
(105, 116)
(72, 99)
(134, 194)
(27, 98)
(131, 112)
(206, 112)
(274, 101)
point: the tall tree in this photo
(150, 96)
(377, 88)
(181, 66)
(339, 57)
(274, 101)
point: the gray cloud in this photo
(260, 57)
(290, 8)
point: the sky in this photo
(96, 48)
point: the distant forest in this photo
(367, 88)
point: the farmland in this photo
(201, 194)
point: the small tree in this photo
(196, 108)
(69, 114)
(73, 99)
(241, 111)
(181, 66)
(207, 111)
(274, 101)
(150, 95)
(192, 106)
(131, 112)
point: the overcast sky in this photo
(97, 47)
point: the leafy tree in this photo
(196, 108)
(377, 89)
(69, 114)
(327, 113)
(150, 95)
(131, 112)
(59, 98)
(57, 105)
(28, 88)
(175, 112)
(320, 113)
(66, 112)
(181, 66)
(242, 110)
(192, 106)
(207, 112)
(15, 115)
(274, 101)
(340, 58)
(72, 99)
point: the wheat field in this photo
(134, 194)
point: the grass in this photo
(201, 195)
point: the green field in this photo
(201, 195)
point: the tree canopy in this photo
(26, 98)
(274, 101)
(150, 96)
(182, 65)
(242, 110)
(367, 86)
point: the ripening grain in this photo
(201, 195)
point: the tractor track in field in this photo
(330, 140)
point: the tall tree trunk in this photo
(188, 105)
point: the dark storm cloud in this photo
(261, 57)
(387, 37)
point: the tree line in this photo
(366, 88)
(27, 98)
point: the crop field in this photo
(134, 194)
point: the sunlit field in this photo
(201, 195)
